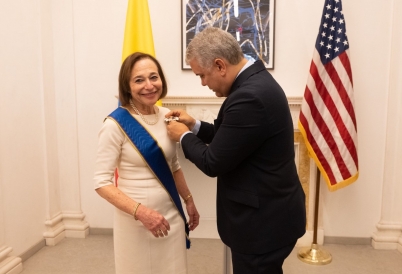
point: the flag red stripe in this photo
(322, 124)
(317, 150)
(344, 58)
(341, 90)
(345, 134)
(323, 127)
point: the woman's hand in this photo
(192, 214)
(153, 221)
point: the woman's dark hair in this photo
(125, 75)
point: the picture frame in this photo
(251, 22)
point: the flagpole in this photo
(314, 254)
(327, 119)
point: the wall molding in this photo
(212, 100)
(75, 225)
(65, 225)
(387, 236)
(9, 264)
(191, 100)
(206, 107)
(54, 230)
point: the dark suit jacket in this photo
(260, 202)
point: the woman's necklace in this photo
(142, 117)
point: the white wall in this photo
(74, 63)
(354, 211)
(22, 147)
(297, 23)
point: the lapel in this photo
(257, 67)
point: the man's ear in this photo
(220, 65)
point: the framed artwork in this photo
(251, 22)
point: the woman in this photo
(149, 227)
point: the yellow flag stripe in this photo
(138, 30)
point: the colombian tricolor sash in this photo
(152, 154)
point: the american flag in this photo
(327, 118)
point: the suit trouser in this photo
(268, 263)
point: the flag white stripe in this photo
(333, 92)
(326, 115)
(314, 129)
(346, 117)
(343, 75)
(326, 152)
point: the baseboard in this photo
(209, 233)
(307, 238)
(32, 250)
(100, 231)
(11, 265)
(347, 240)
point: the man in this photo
(250, 148)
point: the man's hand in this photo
(183, 117)
(175, 130)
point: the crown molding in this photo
(209, 100)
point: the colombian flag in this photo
(138, 31)
(137, 34)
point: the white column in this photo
(8, 264)
(65, 90)
(389, 229)
(54, 225)
(65, 218)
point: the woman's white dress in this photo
(136, 249)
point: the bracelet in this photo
(188, 197)
(135, 211)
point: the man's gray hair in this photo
(212, 43)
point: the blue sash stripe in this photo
(152, 154)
